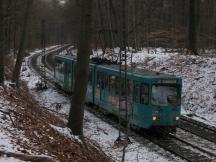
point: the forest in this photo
(153, 23)
(107, 80)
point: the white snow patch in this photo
(105, 135)
(6, 127)
(198, 74)
(5, 143)
(7, 130)
(67, 132)
(9, 159)
(199, 80)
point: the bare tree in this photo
(1, 43)
(82, 68)
(20, 54)
(8, 23)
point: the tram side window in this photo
(117, 84)
(69, 69)
(98, 79)
(60, 67)
(74, 72)
(112, 81)
(102, 80)
(105, 81)
(129, 87)
(122, 90)
(144, 93)
(136, 92)
(90, 77)
(66, 68)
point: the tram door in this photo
(104, 87)
(68, 76)
(140, 100)
(89, 95)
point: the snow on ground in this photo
(199, 79)
(102, 133)
(26, 72)
(10, 135)
(5, 143)
(139, 150)
(95, 129)
(8, 144)
(9, 159)
(198, 98)
(8, 131)
(198, 74)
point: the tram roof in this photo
(138, 71)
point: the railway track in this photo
(176, 144)
(33, 61)
(201, 143)
(169, 142)
(184, 149)
(200, 129)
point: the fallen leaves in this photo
(34, 123)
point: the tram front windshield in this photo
(164, 95)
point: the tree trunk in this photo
(1, 44)
(8, 27)
(82, 68)
(20, 54)
(193, 25)
(15, 26)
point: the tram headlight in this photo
(154, 118)
(177, 118)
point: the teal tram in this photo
(154, 99)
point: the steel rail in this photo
(200, 129)
(170, 143)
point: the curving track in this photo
(180, 144)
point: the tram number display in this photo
(168, 81)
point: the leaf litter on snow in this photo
(100, 133)
(26, 132)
